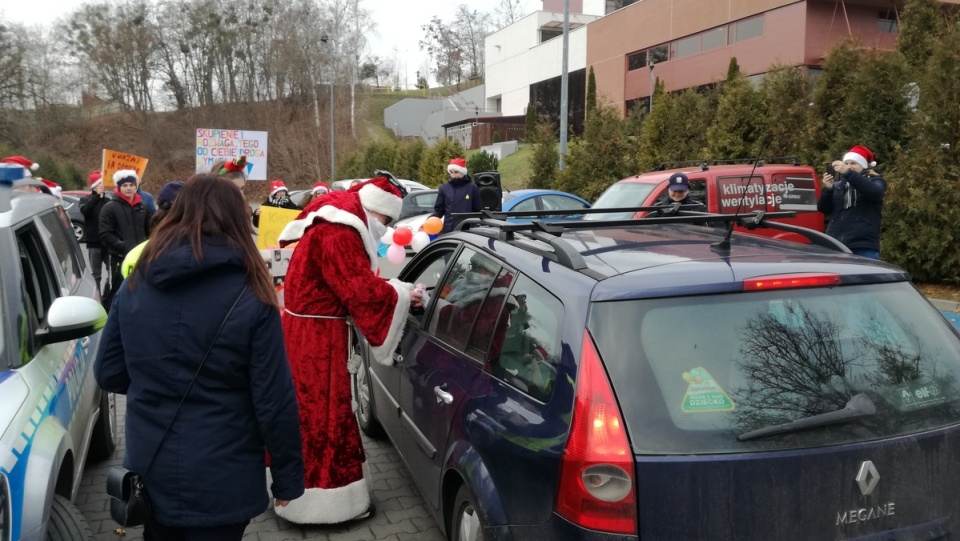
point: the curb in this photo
(941, 304)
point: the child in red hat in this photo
(279, 197)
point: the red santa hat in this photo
(457, 164)
(29, 165)
(320, 188)
(379, 195)
(862, 156)
(96, 179)
(55, 188)
(276, 186)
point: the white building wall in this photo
(515, 59)
(595, 7)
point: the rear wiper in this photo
(858, 406)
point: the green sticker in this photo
(704, 395)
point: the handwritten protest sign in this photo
(272, 222)
(215, 145)
(114, 161)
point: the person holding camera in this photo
(852, 197)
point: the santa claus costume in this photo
(332, 275)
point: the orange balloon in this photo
(432, 226)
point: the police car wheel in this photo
(103, 441)
(66, 522)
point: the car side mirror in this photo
(71, 318)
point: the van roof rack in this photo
(494, 224)
(704, 164)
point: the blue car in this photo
(664, 380)
(536, 200)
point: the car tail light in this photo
(790, 281)
(596, 488)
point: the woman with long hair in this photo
(195, 343)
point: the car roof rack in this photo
(494, 224)
(705, 164)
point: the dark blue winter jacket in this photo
(456, 195)
(854, 220)
(210, 469)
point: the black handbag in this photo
(129, 504)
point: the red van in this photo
(727, 189)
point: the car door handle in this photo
(442, 396)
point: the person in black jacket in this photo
(90, 207)
(458, 194)
(279, 197)
(208, 478)
(854, 202)
(124, 223)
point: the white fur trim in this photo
(34, 166)
(97, 183)
(383, 353)
(377, 200)
(857, 158)
(451, 168)
(124, 173)
(294, 230)
(327, 505)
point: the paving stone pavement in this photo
(401, 513)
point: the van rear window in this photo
(783, 192)
(693, 373)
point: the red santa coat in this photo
(332, 274)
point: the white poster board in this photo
(215, 145)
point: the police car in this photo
(53, 416)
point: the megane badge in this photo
(867, 478)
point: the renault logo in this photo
(867, 478)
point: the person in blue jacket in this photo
(854, 202)
(208, 479)
(458, 194)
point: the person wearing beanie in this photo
(333, 275)
(278, 197)
(165, 199)
(853, 202)
(124, 223)
(91, 206)
(456, 195)
(316, 191)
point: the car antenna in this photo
(724, 245)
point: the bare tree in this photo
(472, 27)
(507, 12)
(443, 47)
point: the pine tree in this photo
(544, 162)
(530, 123)
(433, 164)
(591, 93)
(786, 97)
(600, 157)
(920, 28)
(737, 128)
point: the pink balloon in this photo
(396, 254)
(402, 236)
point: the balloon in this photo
(433, 225)
(396, 254)
(420, 240)
(402, 236)
(387, 237)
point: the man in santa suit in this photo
(333, 276)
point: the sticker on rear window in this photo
(704, 395)
(920, 395)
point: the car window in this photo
(490, 326)
(693, 373)
(531, 346)
(69, 258)
(461, 295)
(561, 202)
(527, 205)
(39, 284)
(425, 201)
(619, 195)
(429, 272)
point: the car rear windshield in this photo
(694, 373)
(621, 194)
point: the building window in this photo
(888, 23)
(546, 34)
(685, 47)
(659, 54)
(636, 61)
(711, 39)
(749, 28)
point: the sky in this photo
(398, 23)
